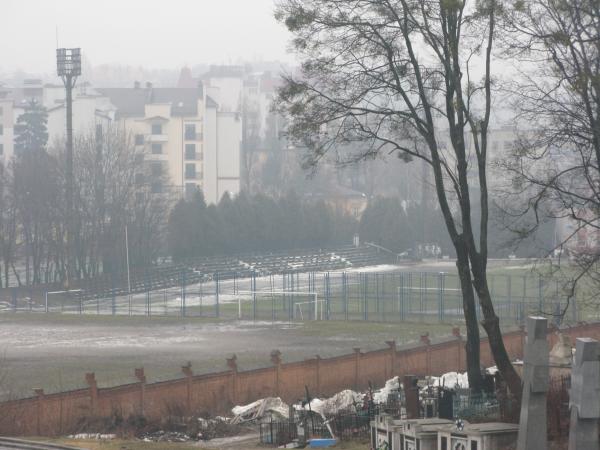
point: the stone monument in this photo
(585, 396)
(532, 424)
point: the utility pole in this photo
(68, 64)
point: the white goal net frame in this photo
(315, 303)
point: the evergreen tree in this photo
(31, 133)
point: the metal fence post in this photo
(366, 297)
(114, 296)
(540, 294)
(217, 312)
(377, 294)
(328, 294)
(421, 306)
(182, 311)
(401, 298)
(148, 289)
(441, 287)
(253, 295)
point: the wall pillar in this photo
(141, 377)
(189, 374)
(276, 360)
(356, 368)
(318, 375)
(90, 379)
(459, 349)
(40, 409)
(232, 364)
(425, 340)
(392, 346)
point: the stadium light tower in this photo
(68, 65)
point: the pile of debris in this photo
(165, 436)
(265, 408)
(193, 429)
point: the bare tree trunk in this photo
(491, 324)
(472, 346)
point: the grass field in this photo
(55, 351)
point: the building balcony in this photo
(157, 138)
(156, 157)
(193, 136)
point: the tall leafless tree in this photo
(555, 164)
(391, 74)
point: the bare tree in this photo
(389, 74)
(116, 189)
(555, 163)
(8, 225)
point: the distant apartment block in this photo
(182, 132)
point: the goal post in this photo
(313, 303)
(62, 294)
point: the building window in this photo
(190, 171)
(156, 128)
(156, 188)
(156, 149)
(139, 139)
(156, 169)
(1, 149)
(1, 130)
(190, 151)
(190, 131)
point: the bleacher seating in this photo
(196, 270)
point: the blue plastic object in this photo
(319, 443)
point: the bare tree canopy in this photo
(390, 75)
(111, 194)
(555, 164)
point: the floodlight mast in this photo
(68, 65)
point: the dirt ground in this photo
(54, 352)
(245, 443)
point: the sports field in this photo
(53, 351)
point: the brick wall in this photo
(61, 413)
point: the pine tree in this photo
(31, 133)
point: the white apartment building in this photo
(6, 127)
(183, 133)
(186, 133)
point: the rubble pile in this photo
(344, 401)
(165, 436)
(270, 407)
(194, 429)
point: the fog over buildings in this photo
(215, 213)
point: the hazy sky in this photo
(152, 33)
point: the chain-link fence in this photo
(367, 296)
